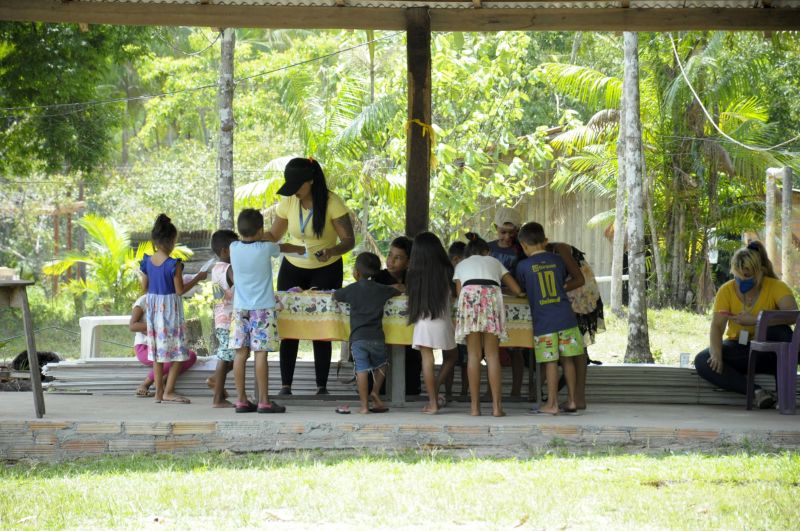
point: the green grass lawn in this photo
(671, 332)
(406, 491)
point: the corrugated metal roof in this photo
(484, 4)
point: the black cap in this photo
(297, 172)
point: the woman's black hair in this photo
(475, 245)
(428, 279)
(163, 231)
(312, 171)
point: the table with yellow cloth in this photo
(315, 315)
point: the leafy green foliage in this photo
(112, 280)
(44, 68)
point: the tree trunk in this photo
(368, 167)
(660, 280)
(769, 221)
(638, 338)
(203, 126)
(786, 227)
(618, 252)
(418, 139)
(576, 47)
(226, 123)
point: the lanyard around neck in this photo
(304, 222)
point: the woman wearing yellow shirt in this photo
(755, 287)
(318, 219)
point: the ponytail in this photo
(475, 245)
(163, 230)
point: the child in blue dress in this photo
(166, 329)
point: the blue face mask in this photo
(746, 284)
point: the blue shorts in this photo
(368, 355)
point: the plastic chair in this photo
(786, 376)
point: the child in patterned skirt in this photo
(481, 317)
(162, 278)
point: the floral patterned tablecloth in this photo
(315, 315)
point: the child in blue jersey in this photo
(254, 326)
(555, 328)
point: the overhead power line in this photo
(81, 105)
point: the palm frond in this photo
(602, 219)
(585, 84)
(743, 110)
(60, 267)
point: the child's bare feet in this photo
(430, 409)
(364, 411)
(175, 399)
(377, 403)
(475, 412)
(143, 391)
(223, 404)
(499, 413)
(211, 382)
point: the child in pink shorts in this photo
(138, 325)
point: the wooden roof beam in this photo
(488, 18)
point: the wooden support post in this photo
(13, 294)
(771, 243)
(786, 227)
(418, 138)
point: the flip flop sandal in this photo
(272, 407)
(378, 409)
(343, 410)
(245, 407)
(537, 412)
(441, 401)
(181, 400)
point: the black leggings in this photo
(734, 362)
(327, 277)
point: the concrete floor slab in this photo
(90, 425)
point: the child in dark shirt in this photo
(395, 275)
(556, 336)
(367, 342)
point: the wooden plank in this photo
(418, 132)
(490, 18)
(33, 357)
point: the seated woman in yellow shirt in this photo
(755, 287)
(318, 219)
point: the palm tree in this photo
(697, 179)
(112, 280)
